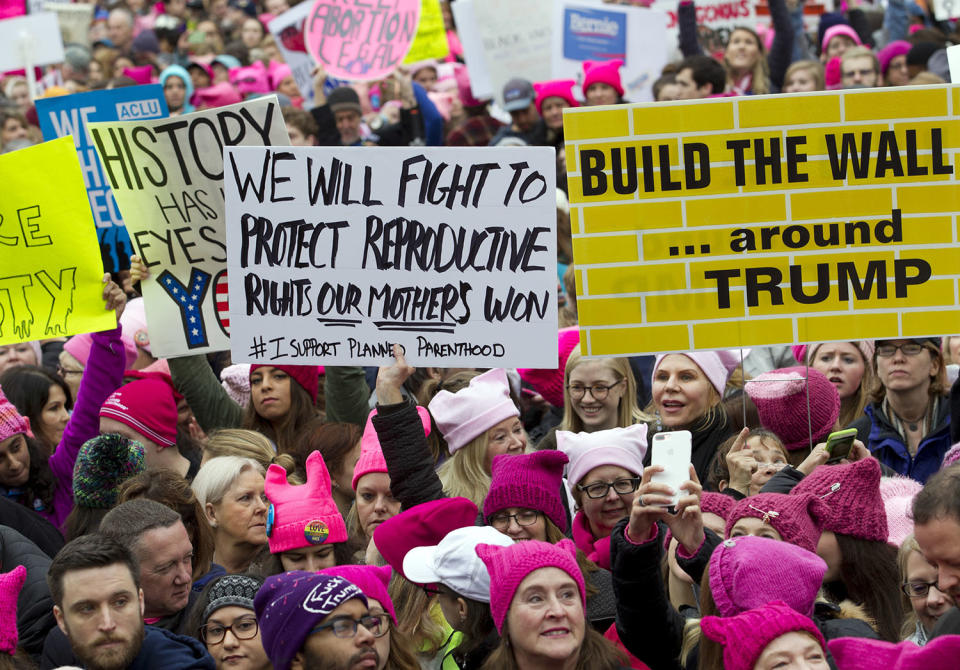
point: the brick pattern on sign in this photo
(765, 220)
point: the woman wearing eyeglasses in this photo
(907, 424)
(224, 620)
(923, 601)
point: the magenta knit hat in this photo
(423, 525)
(11, 421)
(860, 653)
(852, 495)
(532, 480)
(891, 51)
(549, 383)
(749, 571)
(781, 400)
(604, 72)
(468, 413)
(715, 365)
(373, 580)
(796, 518)
(898, 494)
(951, 457)
(624, 447)
(746, 635)
(302, 516)
(832, 75)
(509, 566)
(839, 29)
(148, 407)
(308, 376)
(217, 95)
(558, 88)
(371, 455)
(10, 585)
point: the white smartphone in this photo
(672, 451)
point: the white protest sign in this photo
(946, 9)
(167, 178)
(74, 20)
(592, 30)
(472, 45)
(287, 30)
(720, 17)
(335, 254)
(32, 40)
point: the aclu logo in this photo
(138, 109)
(594, 26)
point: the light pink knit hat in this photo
(302, 516)
(852, 494)
(235, 380)
(796, 518)
(509, 566)
(10, 585)
(11, 421)
(371, 455)
(716, 365)
(898, 494)
(624, 447)
(466, 414)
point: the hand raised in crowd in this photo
(138, 269)
(113, 296)
(741, 464)
(651, 503)
(390, 378)
(819, 456)
(319, 80)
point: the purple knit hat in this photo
(10, 585)
(796, 518)
(11, 421)
(371, 579)
(532, 480)
(509, 566)
(549, 383)
(852, 494)
(859, 653)
(898, 494)
(716, 365)
(747, 572)
(781, 400)
(468, 413)
(290, 604)
(746, 635)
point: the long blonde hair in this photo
(627, 414)
(464, 473)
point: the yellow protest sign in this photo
(50, 266)
(431, 38)
(765, 220)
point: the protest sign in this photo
(287, 30)
(335, 254)
(944, 10)
(592, 30)
(167, 177)
(69, 115)
(470, 40)
(716, 19)
(51, 283)
(431, 39)
(30, 41)
(356, 40)
(765, 220)
(74, 20)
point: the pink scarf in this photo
(597, 550)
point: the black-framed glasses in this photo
(243, 628)
(917, 589)
(346, 626)
(598, 391)
(527, 517)
(908, 349)
(621, 486)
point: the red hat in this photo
(308, 376)
(148, 407)
(549, 383)
(852, 494)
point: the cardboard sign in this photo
(32, 40)
(765, 220)
(360, 40)
(74, 20)
(335, 254)
(69, 115)
(716, 19)
(431, 39)
(586, 30)
(51, 277)
(167, 177)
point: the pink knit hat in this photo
(235, 380)
(852, 495)
(951, 457)
(898, 494)
(79, 347)
(832, 74)
(217, 95)
(463, 87)
(147, 406)
(710, 503)
(373, 580)
(277, 73)
(11, 421)
(839, 29)
(860, 653)
(371, 455)
(142, 74)
(133, 323)
(749, 571)
(423, 525)
(302, 516)
(781, 400)
(746, 635)
(549, 383)
(604, 72)
(800, 351)
(796, 518)
(509, 566)
(10, 585)
(533, 481)
(250, 79)
(558, 88)
(716, 365)
(468, 413)
(891, 51)
(624, 447)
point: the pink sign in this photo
(361, 40)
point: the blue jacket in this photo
(888, 447)
(163, 649)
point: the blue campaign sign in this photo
(69, 115)
(594, 34)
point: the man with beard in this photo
(310, 621)
(98, 604)
(936, 518)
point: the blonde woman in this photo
(248, 444)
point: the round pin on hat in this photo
(316, 532)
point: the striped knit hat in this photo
(103, 464)
(148, 407)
